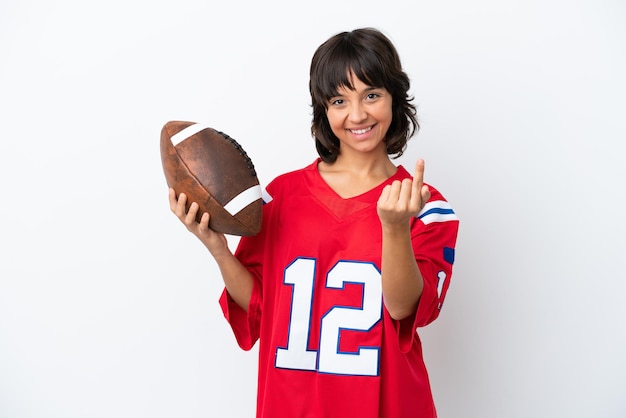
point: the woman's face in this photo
(361, 117)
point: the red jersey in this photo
(328, 347)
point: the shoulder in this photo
(437, 209)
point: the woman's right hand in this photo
(215, 242)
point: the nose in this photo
(357, 112)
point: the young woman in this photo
(354, 255)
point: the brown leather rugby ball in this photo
(213, 170)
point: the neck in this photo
(363, 165)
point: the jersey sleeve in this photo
(434, 234)
(245, 325)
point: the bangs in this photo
(339, 65)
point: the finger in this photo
(190, 218)
(406, 192)
(204, 221)
(172, 199)
(384, 195)
(395, 190)
(418, 176)
(179, 210)
(425, 192)
(418, 183)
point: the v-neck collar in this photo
(341, 207)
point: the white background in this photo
(108, 306)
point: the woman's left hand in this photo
(402, 200)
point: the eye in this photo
(336, 102)
(372, 96)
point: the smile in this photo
(360, 131)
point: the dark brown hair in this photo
(371, 56)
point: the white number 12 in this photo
(328, 359)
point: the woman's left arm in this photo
(402, 282)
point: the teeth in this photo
(360, 131)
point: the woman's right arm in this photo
(237, 278)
